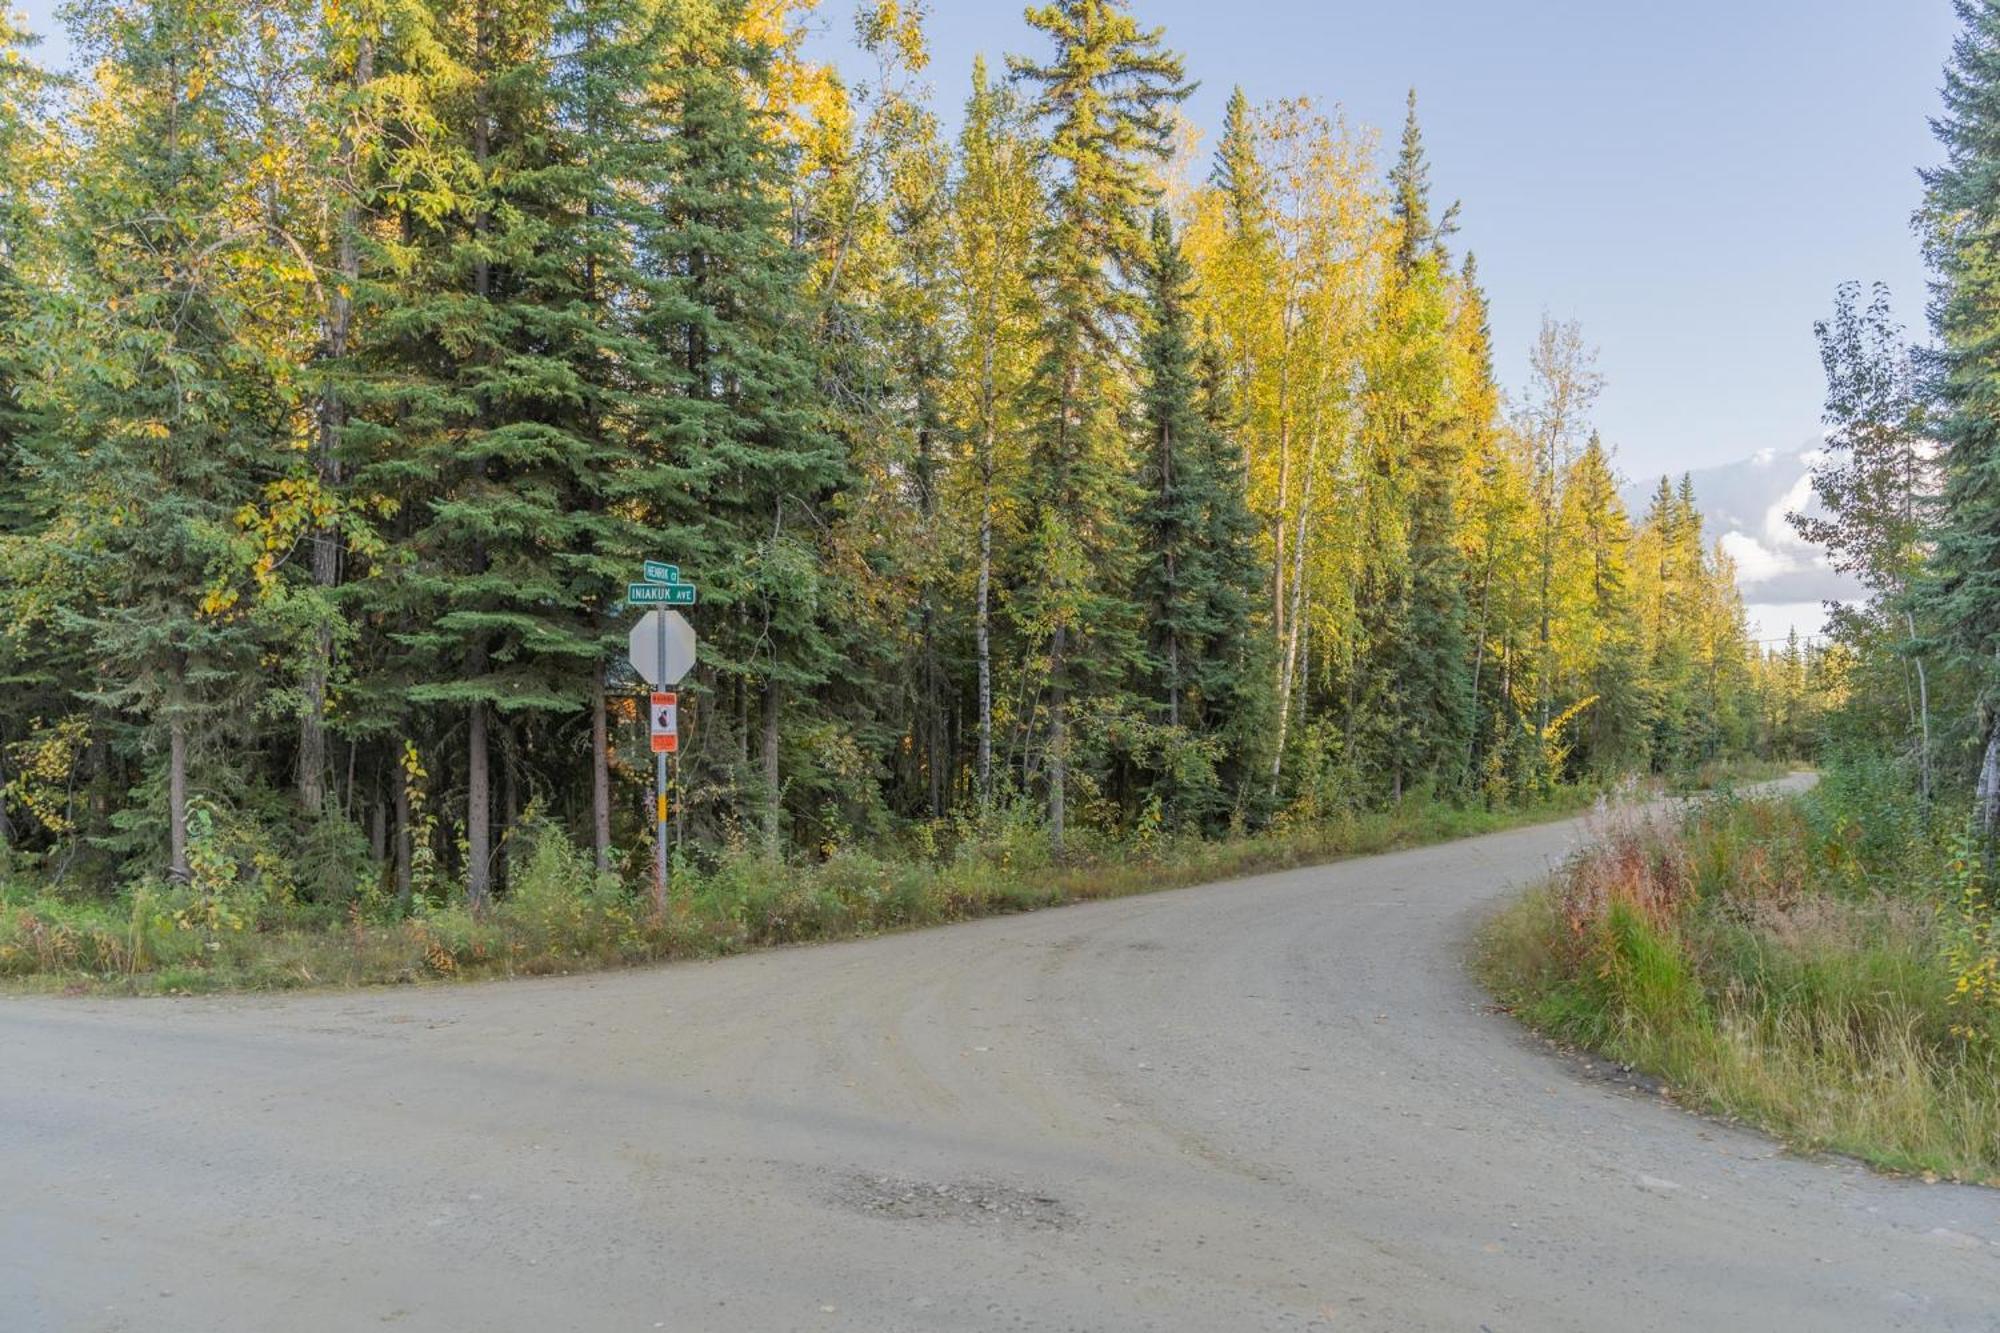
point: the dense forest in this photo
(1053, 466)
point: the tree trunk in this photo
(1986, 802)
(773, 796)
(1479, 666)
(326, 461)
(347, 797)
(404, 844)
(177, 801)
(1173, 582)
(1278, 523)
(1289, 659)
(989, 410)
(1924, 714)
(312, 715)
(6, 825)
(478, 813)
(1058, 745)
(985, 636)
(934, 713)
(600, 774)
(378, 822)
(478, 793)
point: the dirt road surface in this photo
(1271, 1104)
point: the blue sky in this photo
(1688, 179)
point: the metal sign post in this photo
(660, 789)
(662, 650)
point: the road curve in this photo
(1271, 1104)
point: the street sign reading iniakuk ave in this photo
(660, 594)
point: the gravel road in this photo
(1271, 1104)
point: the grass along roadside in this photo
(560, 917)
(1791, 961)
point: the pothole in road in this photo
(977, 1201)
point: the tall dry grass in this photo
(1755, 956)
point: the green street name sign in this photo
(657, 572)
(660, 594)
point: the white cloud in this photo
(1778, 519)
(1755, 562)
(1747, 507)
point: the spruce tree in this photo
(1600, 535)
(498, 380)
(916, 340)
(164, 413)
(1417, 234)
(609, 158)
(1169, 522)
(1241, 178)
(1670, 541)
(30, 685)
(1105, 93)
(1420, 655)
(1196, 576)
(1961, 221)
(738, 461)
(1231, 679)
(1492, 505)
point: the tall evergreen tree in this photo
(28, 674)
(165, 410)
(1238, 175)
(1420, 651)
(1196, 579)
(1961, 220)
(1417, 234)
(1963, 229)
(741, 458)
(1606, 632)
(1232, 679)
(1105, 92)
(500, 383)
(1169, 522)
